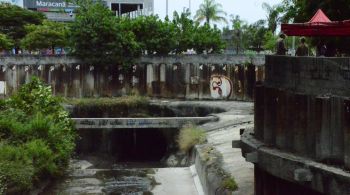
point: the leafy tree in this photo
(208, 40)
(209, 11)
(186, 29)
(238, 26)
(97, 37)
(273, 16)
(270, 41)
(5, 42)
(47, 35)
(254, 35)
(14, 18)
(153, 35)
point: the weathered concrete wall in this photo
(139, 123)
(309, 75)
(301, 132)
(187, 76)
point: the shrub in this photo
(37, 138)
(42, 157)
(189, 136)
(15, 168)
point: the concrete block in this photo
(236, 143)
(252, 157)
(302, 175)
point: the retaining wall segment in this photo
(301, 134)
(184, 76)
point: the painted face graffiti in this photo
(220, 86)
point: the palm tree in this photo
(273, 16)
(209, 11)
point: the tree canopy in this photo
(47, 35)
(13, 20)
(5, 42)
(152, 34)
(97, 37)
(210, 11)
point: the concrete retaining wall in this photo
(187, 76)
(301, 116)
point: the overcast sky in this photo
(249, 10)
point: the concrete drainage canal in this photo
(121, 151)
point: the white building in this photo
(131, 8)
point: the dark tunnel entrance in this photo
(128, 145)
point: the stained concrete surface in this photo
(238, 115)
(174, 181)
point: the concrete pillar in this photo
(270, 113)
(259, 112)
(300, 124)
(323, 132)
(336, 127)
(149, 79)
(250, 81)
(187, 79)
(311, 127)
(162, 80)
(346, 128)
(290, 114)
(281, 119)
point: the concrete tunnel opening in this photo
(141, 145)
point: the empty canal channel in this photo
(132, 150)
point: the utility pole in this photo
(166, 7)
(189, 5)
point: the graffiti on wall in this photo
(220, 86)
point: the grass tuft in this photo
(230, 184)
(190, 136)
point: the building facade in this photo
(63, 11)
(131, 8)
(57, 10)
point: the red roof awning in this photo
(319, 25)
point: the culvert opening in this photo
(144, 145)
(114, 158)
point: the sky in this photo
(248, 10)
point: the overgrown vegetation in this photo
(190, 136)
(130, 101)
(36, 138)
(229, 183)
(128, 106)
